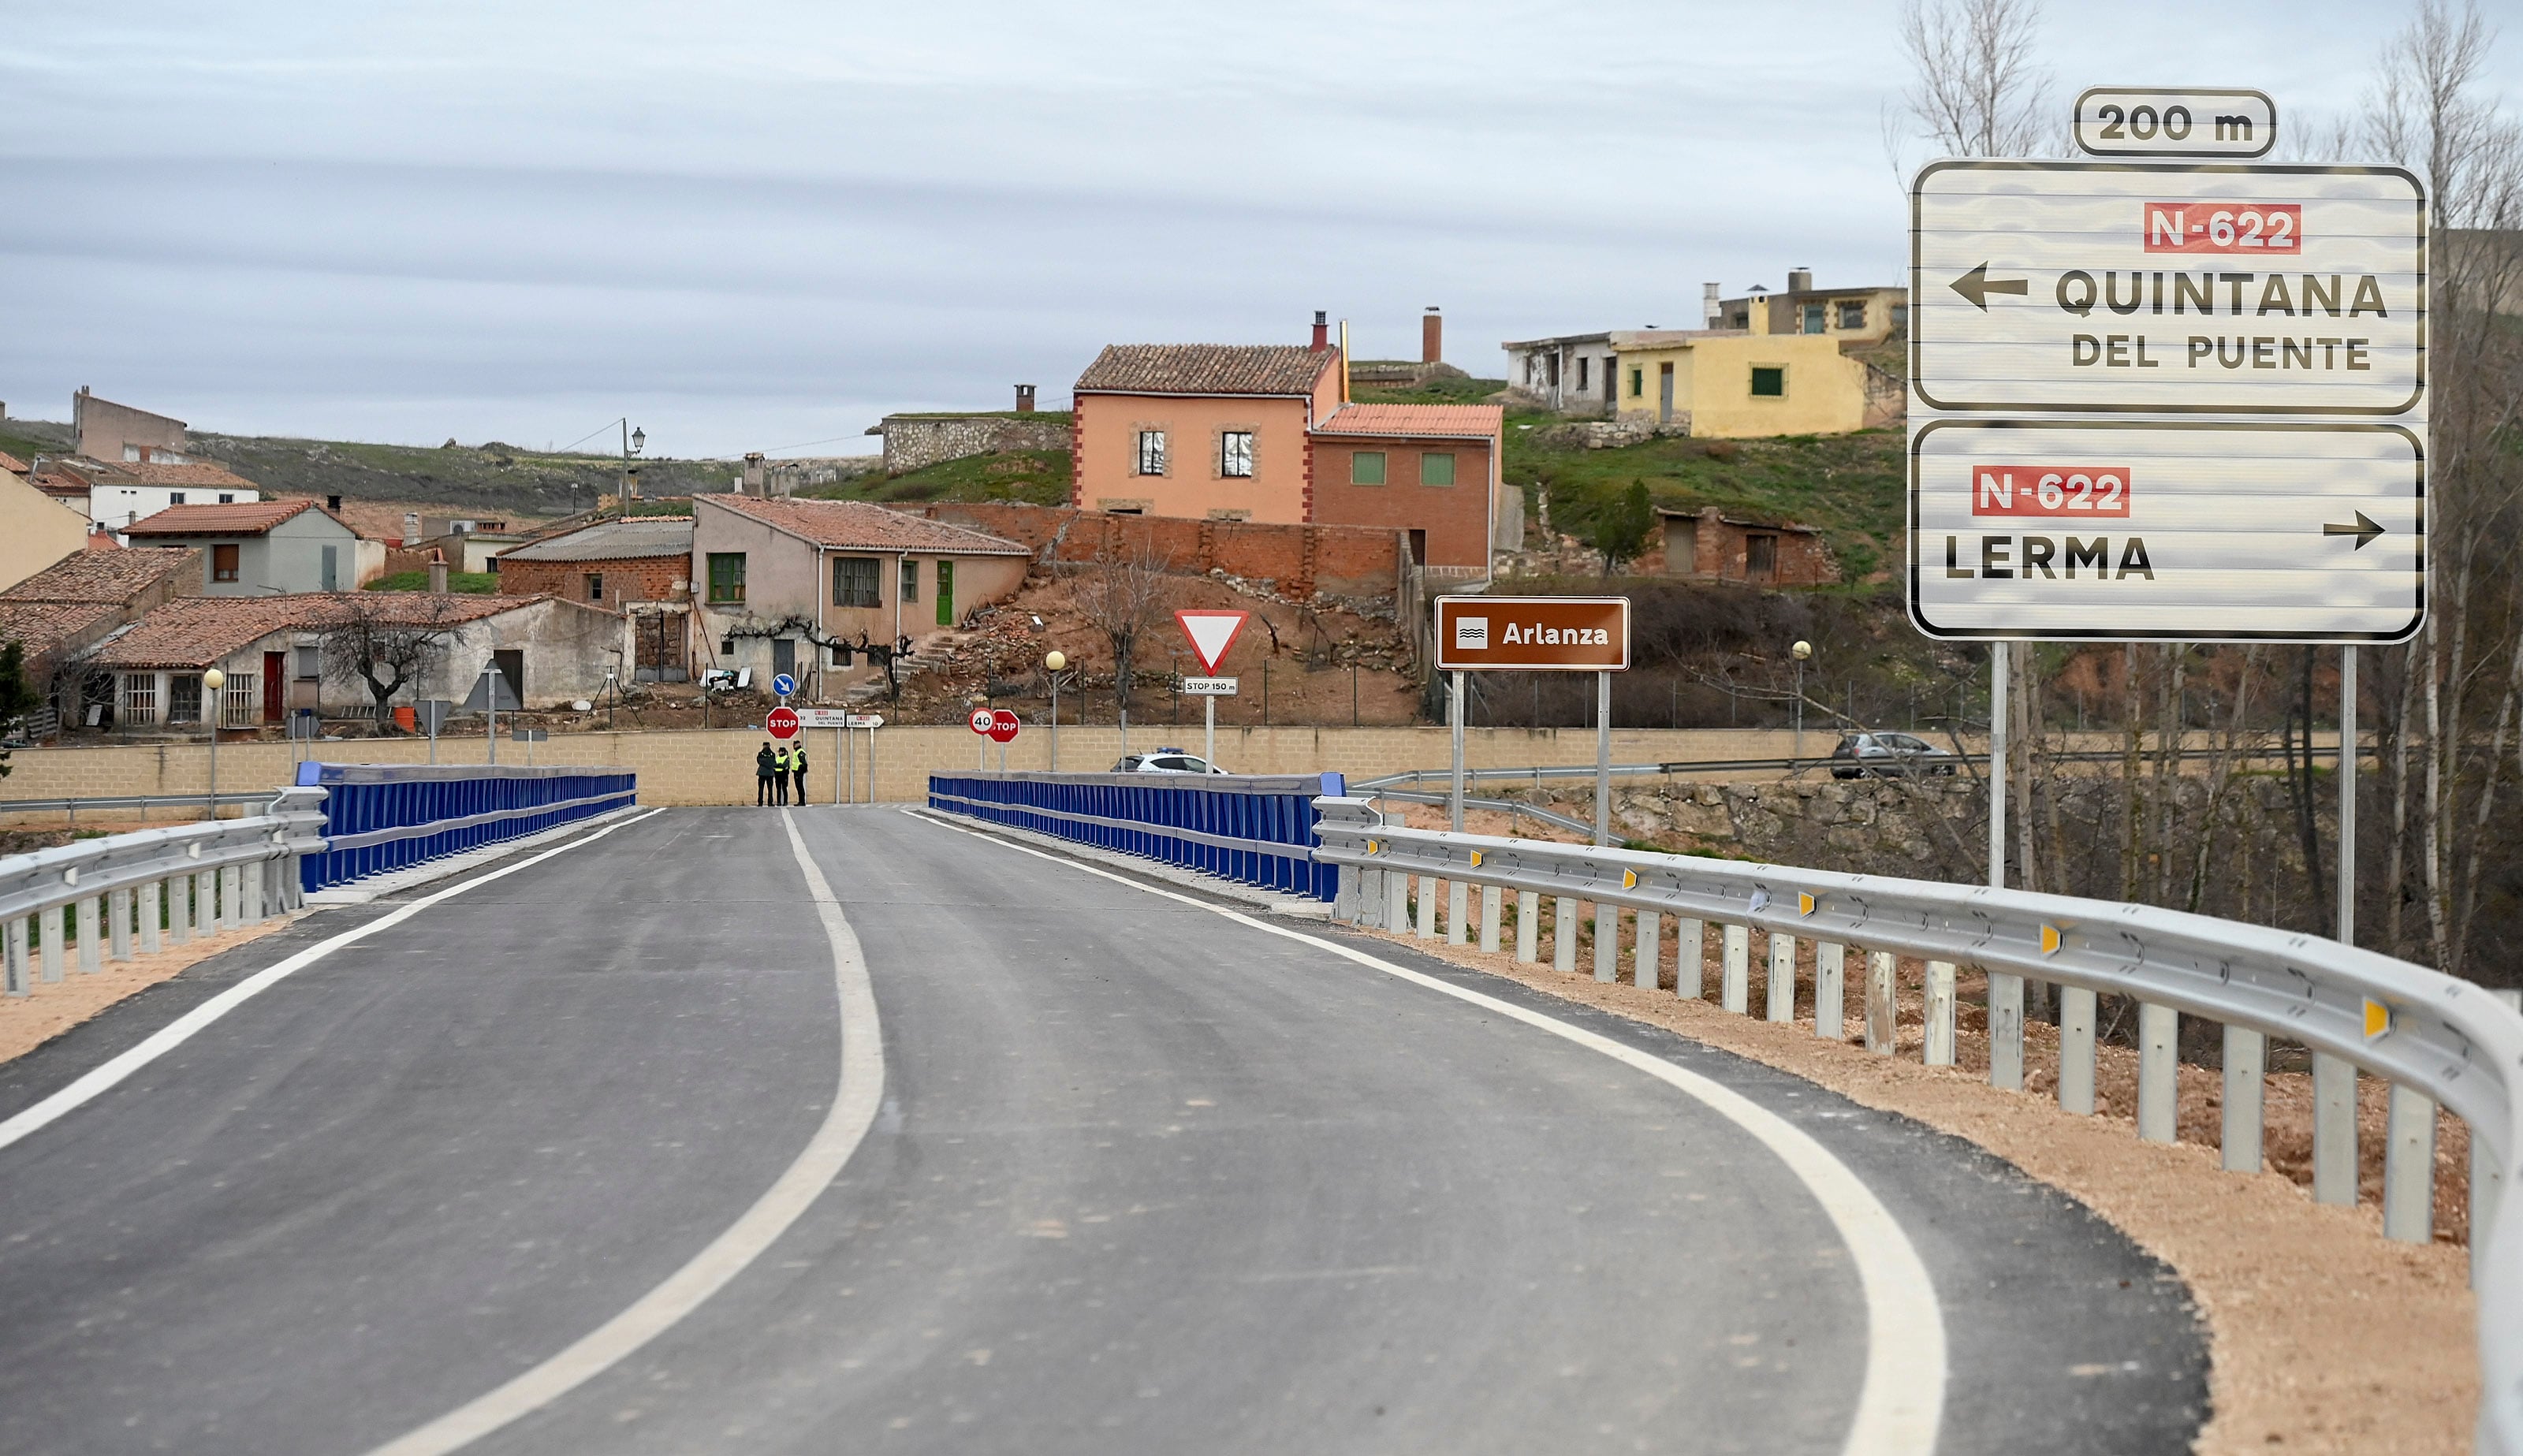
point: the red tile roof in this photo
(1417, 421)
(42, 627)
(12, 463)
(195, 631)
(237, 518)
(1206, 370)
(861, 526)
(198, 473)
(94, 575)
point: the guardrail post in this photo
(1735, 990)
(1427, 906)
(205, 901)
(1492, 905)
(2409, 1168)
(2006, 1031)
(1783, 977)
(1883, 1012)
(2486, 1179)
(229, 881)
(179, 908)
(1397, 901)
(1830, 990)
(52, 927)
(2334, 1130)
(1940, 1014)
(13, 961)
(1368, 909)
(1608, 941)
(1458, 912)
(2076, 1049)
(1643, 960)
(251, 903)
(117, 918)
(1690, 958)
(1563, 935)
(1527, 927)
(2158, 1073)
(2239, 1141)
(151, 896)
(1345, 893)
(91, 959)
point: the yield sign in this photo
(1211, 634)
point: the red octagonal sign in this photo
(781, 723)
(1004, 726)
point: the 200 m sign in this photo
(2050, 490)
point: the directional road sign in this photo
(1209, 687)
(981, 721)
(824, 718)
(1211, 634)
(781, 722)
(1532, 634)
(1004, 727)
(2168, 288)
(869, 721)
(783, 685)
(2152, 121)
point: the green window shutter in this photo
(945, 593)
(1366, 468)
(1436, 468)
(1769, 382)
(726, 575)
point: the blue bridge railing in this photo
(381, 817)
(1257, 829)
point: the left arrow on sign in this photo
(2365, 529)
(1976, 286)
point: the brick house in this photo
(1730, 548)
(640, 567)
(780, 585)
(1267, 433)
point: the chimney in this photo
(1323, 330)
(1799, 280)
(1432, 337)
(1759, 311)
(1709, 304)
(753, 473)
(438, 571)
(333, 503)
(410, 527)
(1025, 398)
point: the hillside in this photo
(1033, 477)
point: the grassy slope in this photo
(478, 583)
(1035, 477)
(491, 479)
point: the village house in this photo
(1714, 546)
(60, 613)
(1854, 317)
(640, 567)
(1721, 383)
(36, 529)
(120, 495)
(257, 548)
(776, 580)
(1267, 433)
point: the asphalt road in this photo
(1143, 1180)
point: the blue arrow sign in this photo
(783, 685)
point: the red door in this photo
(275, 669)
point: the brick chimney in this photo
(333, 503)
(1323, 330)
(754, 474)
(1432, 337)
(438, 571)
(1025, 398)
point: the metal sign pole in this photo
(1602, 758)
(1209, 730)
(491, 702)
(2334, 1078)
(1455, 720)
(839, 733)
(1998, 670)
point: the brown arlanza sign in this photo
(1532, 634)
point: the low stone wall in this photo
(1357, 562)
(912, 441)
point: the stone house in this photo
(915, 441)
(799, 586)
(257, 548)
(640, 567)
(1709, 544)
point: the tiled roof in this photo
(12, 463)
(60, 488)
(198, 473)
(238, 518)
(1670, 338)
(195, 631)
(1451, 421)
(611, 540)
(40, 628)
(859, 526)
(1207, 369)
(115, 576)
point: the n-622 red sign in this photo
(2070, 490)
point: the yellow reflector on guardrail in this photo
(1629, 879)
(1476, 858)
(2378, 1018)
(1805, 903)
(2050, 940)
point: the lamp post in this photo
(1800, 651)
(634, 440)
(1052, 662)
(212, 681)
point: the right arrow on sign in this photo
(2365, 529)
(1976, 286)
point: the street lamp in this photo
(212, 681)
(1052, 662)
(1800, 651)
(634, 440)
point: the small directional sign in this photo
(1209, 687)
(1212, 632)
(2154, 121)
(783, 685)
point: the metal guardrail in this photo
(102, 897)
(1256, 829)
(2436, 1039)
(142, 802)
(384, 817)
(1511, 808)
(1875, 768)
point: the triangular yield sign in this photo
(1211, 634)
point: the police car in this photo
(1166, 760)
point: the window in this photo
(910, 580)
(1235, 454)
(184, 698)
(1812, 319)
(1554, 371)
(594, 585)
(1637, 384)
(1152, 452)
(174, 497)
(1366, 468)
(310, 663)
(331, 570)
(1582, 362)
(1760, 557)
(854, 581)
(1436, 468)
(223, 563)
(1900, 316)
(1769, 382)
(139, 698)
(1852, 313)
(240, 703)
(726, 575)
(227, 498)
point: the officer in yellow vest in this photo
(781, 761)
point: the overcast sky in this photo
(763, 225)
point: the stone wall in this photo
(913, 442)
(1345, 562)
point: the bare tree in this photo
(1121, 596)
(1976, 90)
(385, 642)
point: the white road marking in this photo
(102, 1078)
(1901, 1403)
(854, 1108)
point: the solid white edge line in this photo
(854, 1108)
(104, 1077)
(1901, 1403)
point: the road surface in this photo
(1144, 1178)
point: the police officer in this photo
(764, 766)
(798, 765)
(779, 772)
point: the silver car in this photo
(1166, 760)
(1862, 754)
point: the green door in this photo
(945, 593)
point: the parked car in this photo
(1861, 754)
(1166, 760)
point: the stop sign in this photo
(781, 723)
(983, 720)
(1004, 726)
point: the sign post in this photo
(1212, 632)
(1537, 634)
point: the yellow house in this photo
(36, 530)
(1727, 384)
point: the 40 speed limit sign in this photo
(2168, 400)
